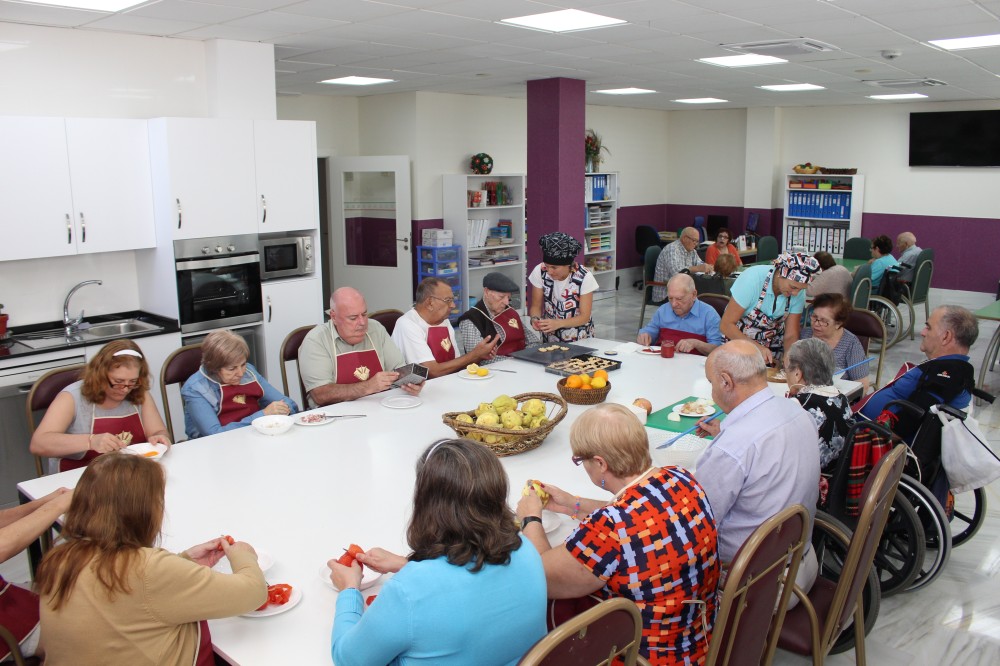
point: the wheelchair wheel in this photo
(831, 543)
(936, 530)
(969, 515)
(889, 314)
(900, 554)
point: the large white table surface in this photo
(304, 496)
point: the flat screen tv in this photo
(955, 139)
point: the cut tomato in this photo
(369, 600)
(348, 558)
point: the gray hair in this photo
(426, 289)
(685, 230)
(907, 237)
(814, 359)
(684, 280)
(962, 324)
(743, 366)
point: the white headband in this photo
(128, 352)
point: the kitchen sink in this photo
(117, 329)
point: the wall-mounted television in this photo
(955, 139)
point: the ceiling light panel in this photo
(900, 96)
(792, 87)
(96, 5)
(748, 60)
(356, 81)
(566, 20)
(962, 43)
(702, 100)
(624, 91)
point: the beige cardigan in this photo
(157, 623)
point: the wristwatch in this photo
(527, 520)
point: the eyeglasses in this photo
(820, 321)
(449, 301)
(578, 460)
(131, 384)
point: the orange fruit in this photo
(602, 373)
(587, 387)
(573, 381)
(598, 382)
(585, 379)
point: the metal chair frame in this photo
(569, 643)
(919, 291)
(15, 650)
(164, 370)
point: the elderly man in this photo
(691, 324)
(947, 336)
(765, 455)
(350, 357)
(492, 316)
(426, 336)
(906, 244)
(679, 255)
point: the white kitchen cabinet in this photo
(203, 176)
(288, 304)
(285, 161)
(74, 186)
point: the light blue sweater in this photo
(432, 612)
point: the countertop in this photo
(10, 348)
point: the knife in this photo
(344, 416)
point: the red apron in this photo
(677, 336)
(239, 402)
(439, 340)
(513, 333)
(18, 613)
(357, 366)
(115, 425)
(205, 655)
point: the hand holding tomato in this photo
(208, 553)
(345, 577)
(382, 560)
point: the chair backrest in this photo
(753, 219)
(646, 236)
(12, 647)
(868, 326)
(767, 248)
(745, 630)
(923, 271)
(387, 318)
(717, 301)
(43, 392)
(858, 248)
(861, 287)
(290, 352)
(876, 500)
(181, 364)
(612, 628)
(699, 224)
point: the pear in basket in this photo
(504, 403)
(511, 419)
(488, 419)
(464, 418)
(525, 418)
(535, 407)
(485, 407)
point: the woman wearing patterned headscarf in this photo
(766, 304)
(562, 291)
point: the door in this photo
(285, 158)
(370, 247)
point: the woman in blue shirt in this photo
(472, 591)
(881, 260)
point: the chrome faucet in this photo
(69, 323)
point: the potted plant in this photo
(592, 147)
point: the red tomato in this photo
(370, 599)
(230, 539)
(348, 558)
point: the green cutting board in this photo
(658, 419)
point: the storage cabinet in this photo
(600, 230)
(74, 186)
(822, 212)
(285, 161)
(502, 211)
(445, 264)
(288, 304)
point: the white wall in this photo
(706, 157)
(336, 121)
(638, 143)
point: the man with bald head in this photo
(693, 326)
(765, 455)
(349, 357)
(906, 244)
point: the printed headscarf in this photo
(797, 267)
(559, 249)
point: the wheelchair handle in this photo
(872, 425)
(951, 411)
(983, 395)
(907, 406)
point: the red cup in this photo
(667, 349)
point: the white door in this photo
(285, 157)
(370, 246)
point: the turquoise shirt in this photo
(879, 266)
(746, 291)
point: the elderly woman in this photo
(105, 411)
(830, 313)
(562, 291)
(655, 542)
(766, 304)
(722, 247)
(492, 316)
(881, 261)
(108, 594)
(833, 278)
(809, 371)
(227, 392)
(472, 590)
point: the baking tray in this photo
(604, 363)
(532, 354)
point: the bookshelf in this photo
(822, 212)
(600, 230)
(471, 225)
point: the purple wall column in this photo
(555, 161)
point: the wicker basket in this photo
(582, 396)
(837, 172)
(513, 441)
(805, 170)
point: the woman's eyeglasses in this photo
(820, 321)
(131, 384)
(578, 460)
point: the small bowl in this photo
(275, 424)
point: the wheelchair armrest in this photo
(907, 406)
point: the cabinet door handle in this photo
(263, 202)
(83, 228)
(269, 310)
(180, 215)
(69, 230)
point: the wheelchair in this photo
(884, 305)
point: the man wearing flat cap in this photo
(493, 316)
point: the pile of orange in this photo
(587, 382)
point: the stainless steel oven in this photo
(286, 256)
(218, 282)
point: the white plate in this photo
(368, 578)
(402, 402)
(328, 419)
(293, 601)
(466, 375)
(143, 448)
(264, 561)
(550, 521)
(712, 409)
(649, 351)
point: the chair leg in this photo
(859, 633)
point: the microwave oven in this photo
(286, 256)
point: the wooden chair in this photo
(767, 248)
(812, 627)
(611, 629)
(42, 393)
(387, 318)
(648, 281)
(868, 326)
(15, 650)
(181, 364)
(858, 248)
(747, 626)
(290, 352)
(718, 301)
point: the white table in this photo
(306, 495)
